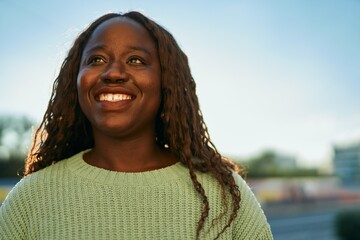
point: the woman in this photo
(123, 151)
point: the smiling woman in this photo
(123, 151)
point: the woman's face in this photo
(118, 82)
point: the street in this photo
(305, 226)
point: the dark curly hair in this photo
(65, 131)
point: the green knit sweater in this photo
(74, 200)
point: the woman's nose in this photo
(115, 73)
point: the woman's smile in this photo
(114, 101)
(114, 98)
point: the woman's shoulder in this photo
(212, 187)
(209, 180)
(29, 197)
(242, 184)
(250, 213)
(250, 217)
(35, 183)
(43, 175)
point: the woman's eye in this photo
(136, 61)
(96, 60)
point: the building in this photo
(346, 161)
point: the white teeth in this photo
(110, 97)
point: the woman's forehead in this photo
(120, 26)
(121, 30)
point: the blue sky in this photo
(274, 74)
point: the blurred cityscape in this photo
(309, 203)
(300, 203)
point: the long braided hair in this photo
(180, 127)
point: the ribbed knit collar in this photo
(166, 175)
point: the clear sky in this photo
(279, 74)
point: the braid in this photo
(201, 191)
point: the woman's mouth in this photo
(113, 97)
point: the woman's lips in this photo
(113, 97)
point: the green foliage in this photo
(347, 224)
(15, 136)
(12, 168)
(268, 164)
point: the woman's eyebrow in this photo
(94, 48)
(139, 48)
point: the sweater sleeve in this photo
(13, 214)
(251, 222)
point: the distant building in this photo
(346, 161)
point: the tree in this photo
(271, 164)
(15, 137)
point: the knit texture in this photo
(74, 200)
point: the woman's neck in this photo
(128, 155)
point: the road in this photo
(305, 226)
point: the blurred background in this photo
(278, 83)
